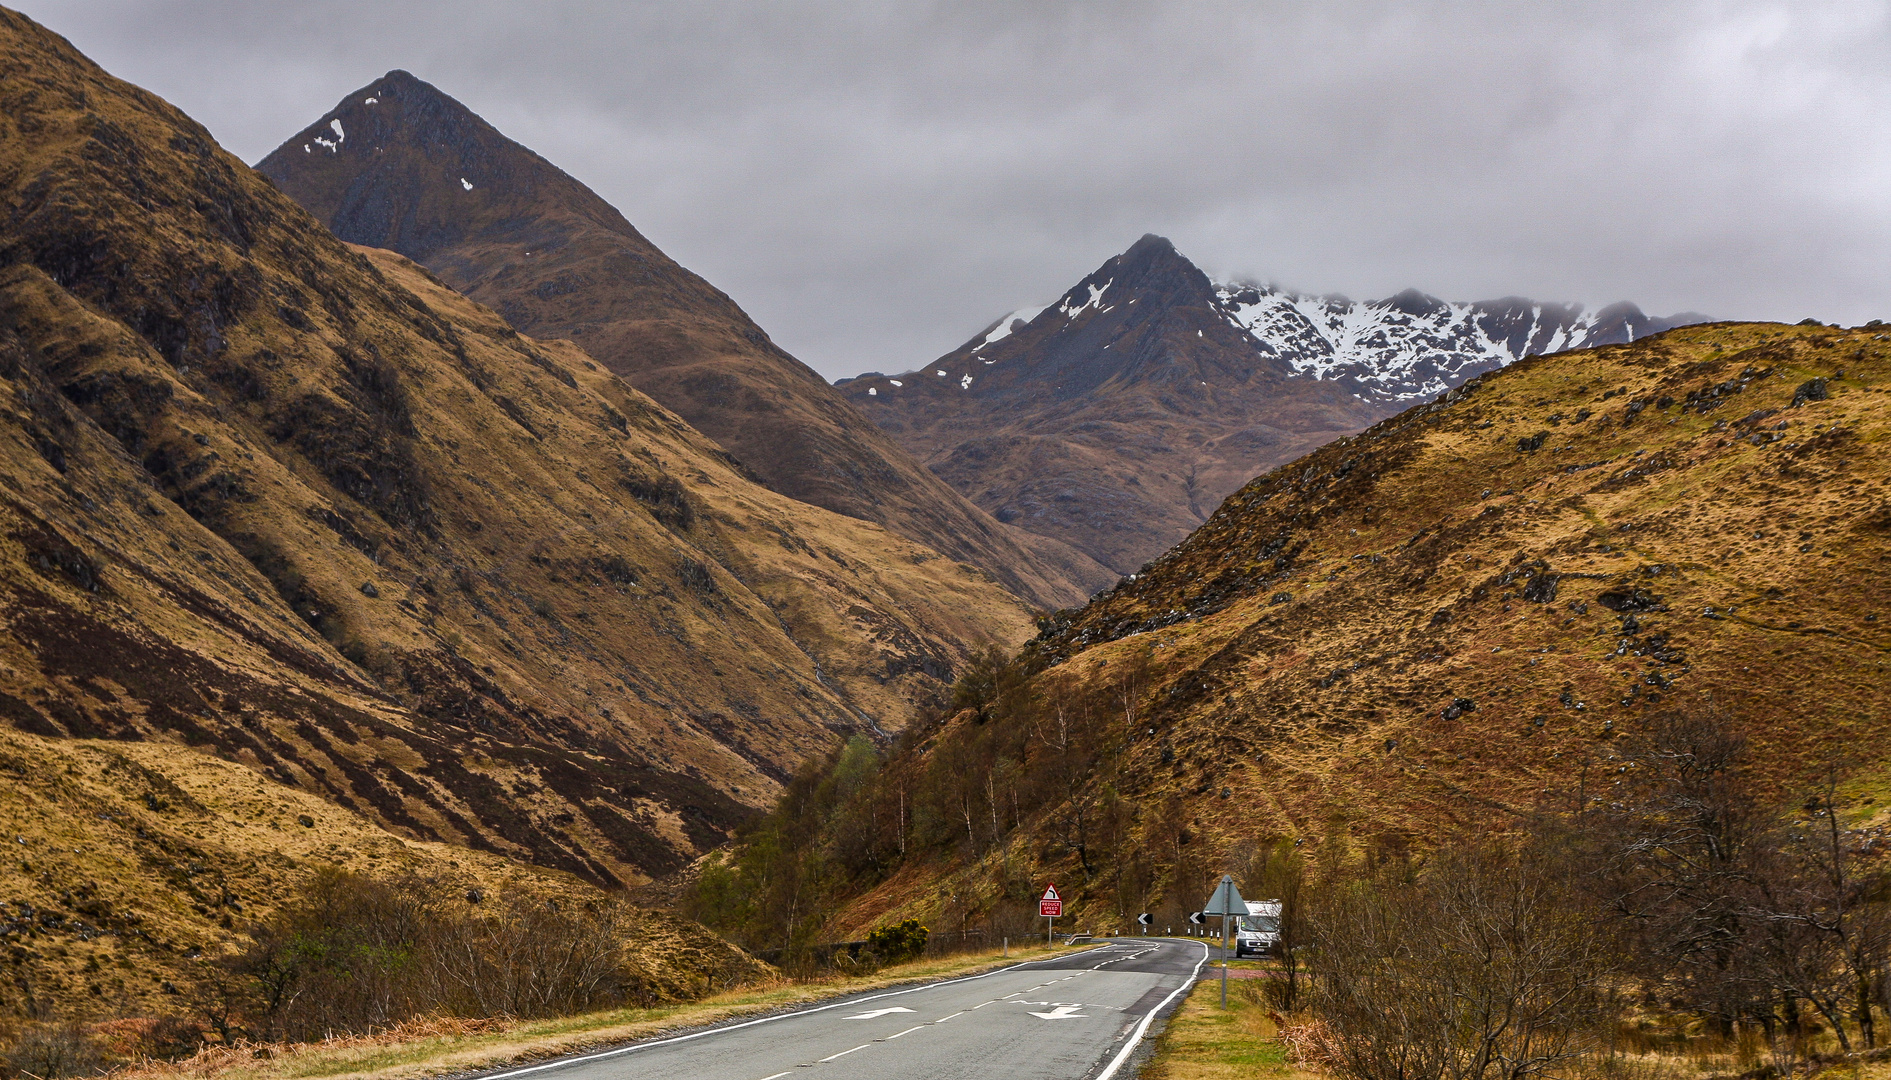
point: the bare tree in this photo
(1479, 968)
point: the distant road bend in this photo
(1074, 1017)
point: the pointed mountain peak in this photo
(1151, 265)
(1151, 243)
(1412, 302)
(402, 164)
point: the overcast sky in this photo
(875, 181)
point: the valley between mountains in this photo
(412, 579)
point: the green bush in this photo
(902, 941)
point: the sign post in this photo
(1226, 901)
(1049, 907)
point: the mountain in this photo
(1117, 418)
(1412, 346)
(299, 509)
(1432, 626)
(400, 165)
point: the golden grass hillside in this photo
(302, 508)
(131, 866)
(1447, 620)
(417, 172)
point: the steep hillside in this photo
(1117, 418)
(1434, 624)
(303, 507)
(400, 165)
(129, 861)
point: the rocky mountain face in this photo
(1438, 622)
(1413, 347)
(400, 165)
(299, 507)
(1117, 418)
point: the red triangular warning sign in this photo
(1050, 893)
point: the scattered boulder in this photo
(1541, 588)
(1635, 598)
(1458, 707)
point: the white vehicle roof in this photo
(1264, 907)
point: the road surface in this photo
(1072, 1017)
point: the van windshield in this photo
(1264, 924)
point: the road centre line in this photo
(777, 1076)
(943, 1019)
(844, 1053)
(982, 1004)
(890, 1038)
(850, 1003)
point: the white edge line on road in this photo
(1143, 1028)
(563, 1061)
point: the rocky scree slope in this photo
(1117, 418)
(301, 506)
(1440, 621)
(400, 165)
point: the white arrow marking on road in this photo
(877, 1012)
(1062, 1012)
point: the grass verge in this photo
(447, 1046)
(1203, 1041)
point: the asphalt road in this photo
(1072, 1017)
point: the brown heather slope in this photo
(1454, 615)
(400, 165)
(302, 507)
(128, 861)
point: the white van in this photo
(1258, 932)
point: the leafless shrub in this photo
(54, 1051)
(1479, 967)
(358, 955)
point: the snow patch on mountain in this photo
(1095, 301)
(1004, 326)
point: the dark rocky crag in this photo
(402, 166)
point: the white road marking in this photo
(844, 1053)
(634, 1047)
(943, 1019)
(1061, 1012)
(878, 1012)
(1142, 1029)
(982, 1004)
(908, 1031)
(777, 1076)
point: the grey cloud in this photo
(875, 181)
